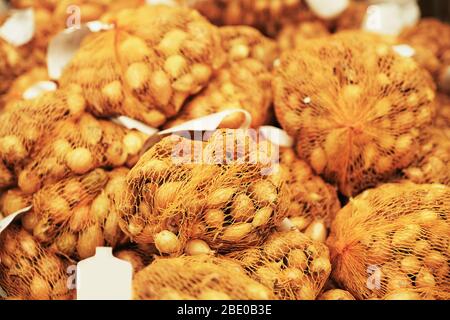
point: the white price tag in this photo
(390, 17)
(38, 88)
(328, 9)
(277, 136)
(19, 28)
(63, 46)
(104, 277)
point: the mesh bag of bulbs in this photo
(399, 235)
(327, 178)
(216, 190)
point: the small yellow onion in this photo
(220, 197)
(133, 143)
(28, 182)
(12, 148)
(317, 231)
(39, 288)
(88, 240)
(27, 244)
(237, 231)
(264, 192)
(13, 201)
(80, 160)
(167, 242)
(197, 247)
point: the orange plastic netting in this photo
(77, 147)
(245, 84)
(293, 35)
(393, 242)
(29, 271)
(312, 199)
(267, 15)
(13, 200)
(292, 265)
(26, 125)
(431, 39)
(353, 16)
(355, 107)
(20, 85)
(53, 16)
(197, 278)
(433, 163)
(242, 42)
(10, 65)
(219, 191)
(76, 215)
(145, 68)
(431, 34)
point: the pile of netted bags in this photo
(363, 115)
(61, 154)
(219, 203)
(231, 215)
(393, 243)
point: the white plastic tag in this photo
(19, 28)
(277, 136)
(38, 88)
(383, 19)
(208, 123)
(104, 277)
(404, 50)
(135, 124)
(390, 17)
(9, 219)
(63, 46)
(328, 9)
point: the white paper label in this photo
(210, 122)
(9, 219)
(19, 28)
(328, 9)
(383, 19)
(277, 136)
(405, 50)
(104, 277)
(38, 88)
(390, 17)
(135, 124)
(63, 46)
